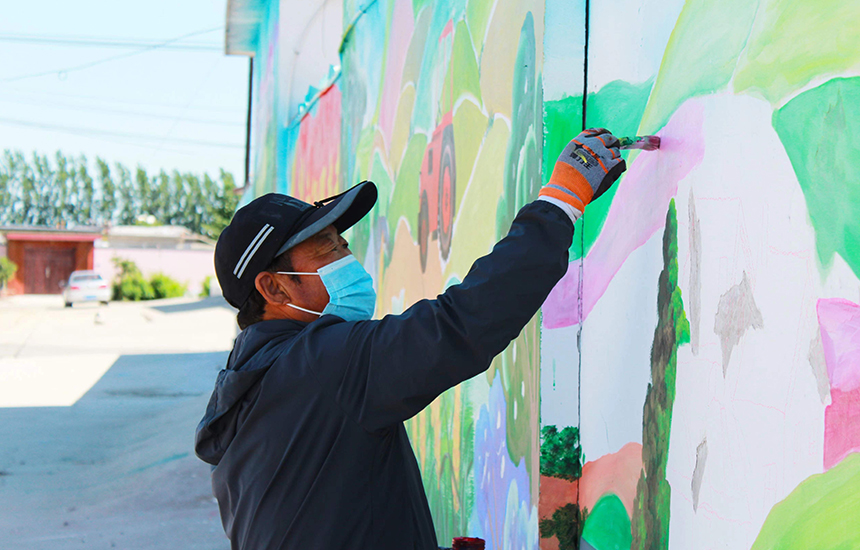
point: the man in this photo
(305, 426)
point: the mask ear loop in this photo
(312, 312)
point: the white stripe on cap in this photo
(251, 250)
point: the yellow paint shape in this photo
(50, 381)
(475, 224)
(400, 133)
(497, 68)
(407, 280)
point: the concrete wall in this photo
(699, 352)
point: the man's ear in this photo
(271, 288)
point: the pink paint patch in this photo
(840, 336)
(317, 159)
(402, 25)
(637, 212)
(839, 321)
(841, 426)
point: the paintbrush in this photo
(646, 143)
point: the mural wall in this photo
(442, 110)
(716, 291)
(693, 381)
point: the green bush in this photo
(7, 270)
(165, 287)
(131, 285)
(207, 287)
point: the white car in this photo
(86, 286)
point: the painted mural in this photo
(693, 381)
(714, 294)
(443, 111)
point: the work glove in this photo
(586, 169)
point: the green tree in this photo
(107, 202)
(59, 190)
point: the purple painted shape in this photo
(839, 320)
(495, 518)
(637, 212)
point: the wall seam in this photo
(582, 258)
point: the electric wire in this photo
(102, 99)
(77, 130)
(108, 59)
(122, 112)
(104, 42)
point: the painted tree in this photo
(561, 457)
(651, 508)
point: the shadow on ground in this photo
(116, 469)
(205, 303)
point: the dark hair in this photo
(252, 310)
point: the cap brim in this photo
(342, 212)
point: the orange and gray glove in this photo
(586, 169)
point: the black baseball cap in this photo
(270, 225)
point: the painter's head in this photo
(271, 253)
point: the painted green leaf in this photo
(701, 55)
(820, 130)
(820, 513)
(607, 526)
(793, 42)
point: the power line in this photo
(96, 132)
(121, 112)
(107, 59)
(122, 101)
(105, 42)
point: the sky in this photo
(155, 107)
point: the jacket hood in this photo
(254, 351)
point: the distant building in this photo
(47, 256)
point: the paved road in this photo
(98, 407)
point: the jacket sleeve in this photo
(390, 369)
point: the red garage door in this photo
(45, 267)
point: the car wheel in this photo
(68, 304)
(104, 303)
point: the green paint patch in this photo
(820, 130)
(793, 42)
(701, 55)
(466, 77)
(820, 513)
(618, 106)
(404, 198)
(607, 526)
(477, 17)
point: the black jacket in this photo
(305, 426)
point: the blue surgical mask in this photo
(350, 290)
